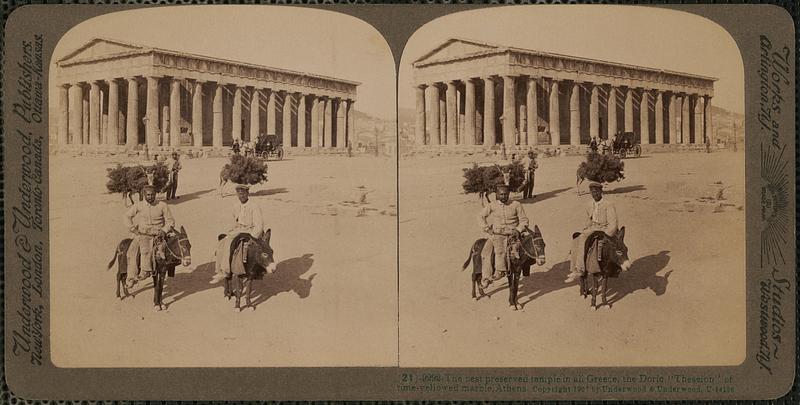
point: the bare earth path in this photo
(682, 303)
(331, 302)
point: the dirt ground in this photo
(682, 303)
(331, 302)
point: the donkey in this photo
(530, 249)
(613, 259)
(257, 259)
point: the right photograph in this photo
(571, 185)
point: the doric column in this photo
(175, 112)
(685, 119)
(132, 115)
(532, 113)
(287, 120)
(433, 114)
(554, 119)
(63, 114)
(314, 121)
(76, 113)
(452, 114)
(629, 110)
(216, 122)
(672, 119)
(699, 127)
(419, 128)
(469, 112)
(255, 117)
(509, 111)
(442, 116)
(151, 117)
(197, 114)
(341, 123)
(328, 128)
(594, 112)
(271, 113)
(94, 113)
(612, 112)
(709, 123)
(489, 130)
(659, 118)
(644, 118)
(575, 115)
(85, 117)
(301, 120)
(113, 133)
(351, 123)
(236, 119)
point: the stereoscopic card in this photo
(399, 202)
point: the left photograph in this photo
(223, 190)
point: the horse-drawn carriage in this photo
(269, 147)
(626, 145)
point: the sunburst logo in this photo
(774, 204)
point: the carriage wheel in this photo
(622, 153)
(279, 153)
(637, 151)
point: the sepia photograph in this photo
(222, 187)
(572, 190)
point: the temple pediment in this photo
(456, 48)
(100, 48)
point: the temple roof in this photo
(460, 48)
(99, 49)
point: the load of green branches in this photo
(245, 170)
(602, 168)
(131, 179)
(484, 179)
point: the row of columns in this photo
(80, 118)
(437, 108)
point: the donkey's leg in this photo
(513, 286)
(118, 283)
(595, 283)
(158, 287)
(584, 289)
(226, 289)
(238, 291)
(605, 291)
(248, 283)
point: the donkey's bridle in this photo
(536, 254)
(182, 257)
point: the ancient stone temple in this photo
(119, 95)
(473, 93)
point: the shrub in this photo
(484, 179)
(131, 179)
(245, 170)
(602, 168)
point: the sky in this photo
(325, 43)
(643, 36)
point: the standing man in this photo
(530, 166)
(500, 219)
(148, 221)
(236, 147)
(246, 216)
(601, 215)
(173, 167)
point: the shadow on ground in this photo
(285, 278)
(642, 275)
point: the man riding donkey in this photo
(149, 221)
(601, 215)
(501, 219)
(247, 219)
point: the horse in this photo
(177, 250)
(530, 250)
(257, 259)
(613, 259)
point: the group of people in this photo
(149, 222)
(504, 218)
